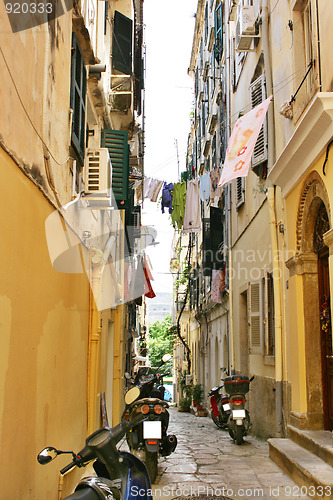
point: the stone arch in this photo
(312, 199)
(313, 194)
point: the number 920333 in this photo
(29, 7)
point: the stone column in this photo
(304, 266)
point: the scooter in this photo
(149, 439)
(220, 407)
(120, 475)
(239, 420)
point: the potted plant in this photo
(197, 395)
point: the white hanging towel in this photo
(192, 218)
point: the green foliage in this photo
(185, 404)
(161, 339)
(198, 393)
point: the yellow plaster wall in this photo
(295, 311)
(43, 354)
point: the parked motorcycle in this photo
(239, 420)
(219, 403)
(149, 439)
(120, 475)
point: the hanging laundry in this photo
(192, 216)
(149, 292)
(167, 197)
(178, 204)
(156, 190)
(218, 285)
(151, 187)
(214, 178)
(137, 286)
(205, 186)
(146, 184)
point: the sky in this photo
(169, 29)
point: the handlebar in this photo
(67, 468)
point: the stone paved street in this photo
(207, 461)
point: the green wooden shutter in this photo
(122, 43)
(78, 99)
(116, 142)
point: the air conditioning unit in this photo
(245, 27)
(97, 177)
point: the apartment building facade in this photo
(273, 321)
(71, 152)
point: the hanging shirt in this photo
(205, 186)
(156, 190)
(167, 197)
(192, 216)
(218, 285)
(215, 177)
(146, 184)
(178, 204)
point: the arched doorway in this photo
(321, 227)
(312, 223)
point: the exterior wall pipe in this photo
(272, 218)
(230, 323)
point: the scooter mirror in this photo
(47, 455)
(132, 395)
(166, 357)
(127, 375)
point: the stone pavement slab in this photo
(208, 462)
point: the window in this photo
(122, 43)
(214, 152)
(261, 316)
(206, 22)
(240, 191)
(257, 96)
(305, 52)
(78, 99)
(219, 31)
(116, 142)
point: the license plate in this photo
(226, 407)
(152, 430)
(238, 413)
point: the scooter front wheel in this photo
(151, 464)
(217, 421)
(239, 434)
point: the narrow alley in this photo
(207, 462)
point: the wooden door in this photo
(326, 338)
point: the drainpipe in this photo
(230, 323)
(270, 193)
(98, 259)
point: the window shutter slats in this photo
(78, 99)
(122, 43)
(240, 191)
(255, 316)
(116, 142)
(258, 95)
